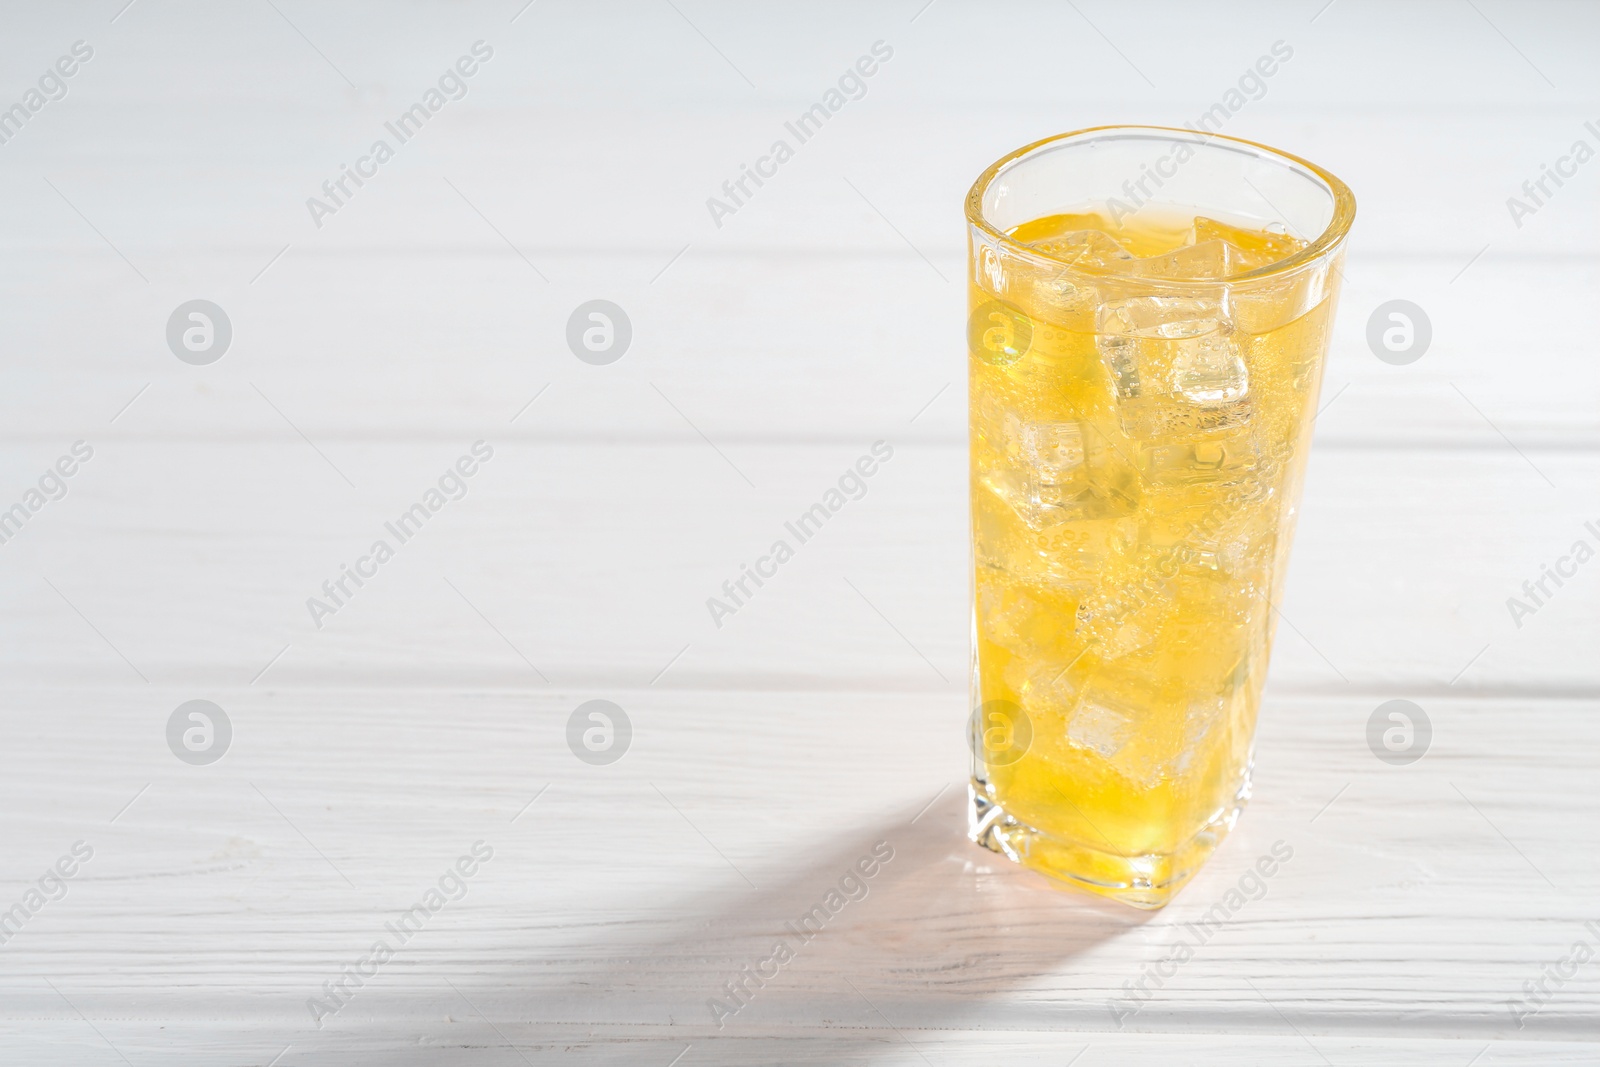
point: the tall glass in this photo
(1141, 408)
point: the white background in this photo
(767, 354)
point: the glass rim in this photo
(1326, 243)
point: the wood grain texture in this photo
(771, 752)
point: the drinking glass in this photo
(1141, 404)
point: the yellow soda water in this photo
(1135, 455)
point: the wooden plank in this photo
(762, 346)
(465, 1037)
(596, 561)
(1416, 901)
(574, 102)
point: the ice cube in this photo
(1121, 355)
(1054, 555)
(1103, 722)
(1271, 303)
(1208, 541)
(1226, 460)
(1055, 456)
(1070, 556)
(1305, 364)
(1065, 302)
(1122, 620)
(1118, 717)
(992, 461)
(1204, 715)
(1175, 366)
(989, 540)
(1246, 545)
(1029, 621)
(1126, 639)
(1160, 316)
(1251, 248)
(1045, 469)
(1208, 260)
(1094, 249)
(1057, 472)
(1050, 692)
(1210, 371)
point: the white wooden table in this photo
(430, 711)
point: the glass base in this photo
(1147, 881)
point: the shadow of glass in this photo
(890, 929)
